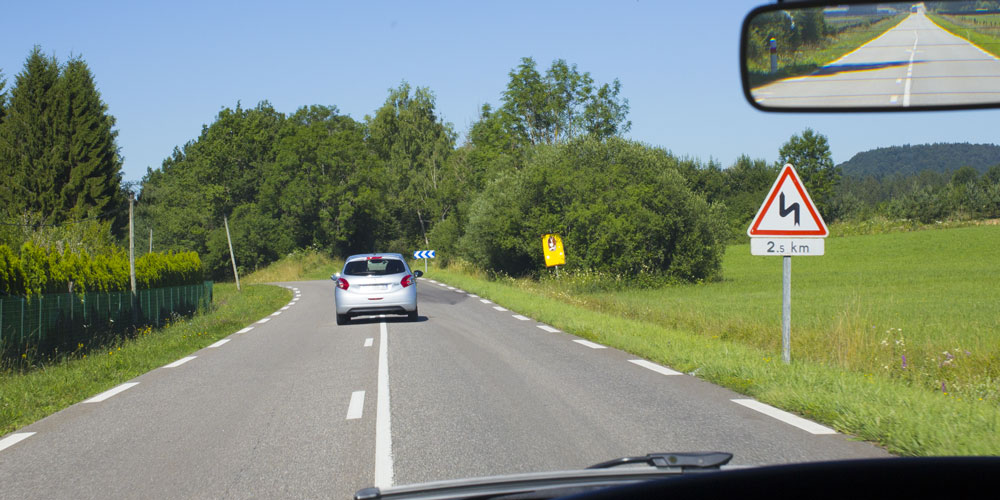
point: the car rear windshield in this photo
(374, 267)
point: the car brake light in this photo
(376, 257)
(407, 280)
(342, 284)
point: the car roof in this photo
(365, 256)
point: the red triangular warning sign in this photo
(788, 210)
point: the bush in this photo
(620, 206)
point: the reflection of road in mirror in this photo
(916, 63)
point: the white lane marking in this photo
(473, 296)
(442, 284)
(899, 80)
(369, 341)
(909, 72)
(451, 288)
(111, 392)
(247, 329)
(276, 313)
(484, 301)
(180, 362)
(459, 291)
(589, 344)
(219, 343)
(653, 366)
(547, 328)
(13, 439)
(285, 308)
(522, 318)
(265, 320)
(806, 425)
(498, 308)
(432, 281)
(356, 406)
(383, 423)
(894, 99)
(296, 289)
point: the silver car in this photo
(375, 284)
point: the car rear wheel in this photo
(412, 315)
(343, 319)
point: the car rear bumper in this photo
(401, 302)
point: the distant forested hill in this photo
(909, 160)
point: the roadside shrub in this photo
(621, 207)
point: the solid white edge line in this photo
(111, 392)
(265, 320)
(13, 439)
(369, 341)
(356, 406)
(219, 343)
(522, 318)
(589, 344)
(247, 329)
(383, 423)
(498, 308)
(180, 362)
(547, 328)
(655, 367)
(788, 418)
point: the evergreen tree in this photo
(28, 141)
(90, 183)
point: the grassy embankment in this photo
(894, 336)
(809, 58)
(981, 30)
(26, 396)
(303, 265)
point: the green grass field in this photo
(982, 30)
(930, 296)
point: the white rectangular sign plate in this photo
(787, 246)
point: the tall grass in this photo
(298, 265)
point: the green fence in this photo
(60, 322)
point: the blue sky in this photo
(166, 68)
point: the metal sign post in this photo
(787, 224)
(424, 254)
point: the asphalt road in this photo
(916, 63)
(468, 390)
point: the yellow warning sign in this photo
(553, 248)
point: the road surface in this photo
(300, 407)
(916, 63)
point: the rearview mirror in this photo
(819, 56)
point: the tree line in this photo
(548, 157)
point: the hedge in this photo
(35, 270)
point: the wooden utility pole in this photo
(232, 256)
(131, 253)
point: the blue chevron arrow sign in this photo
(423, 254)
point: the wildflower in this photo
(904, 361)
(24, 356)
(944, 388)
(80, 345)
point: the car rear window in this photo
(374, 267)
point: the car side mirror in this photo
(334, 276)
(418, 273)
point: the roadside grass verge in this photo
(930, 296)
(297, 266)
(26, 397)
(984, 36)
(809, 58)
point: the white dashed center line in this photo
(111, 392)
(369, 341)
(522, 318)
(13, 439)
(547, 328)
(356, 406)
(219, 343)
(806, 425)
(653, 366)
(180, 362)
(589, 344)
